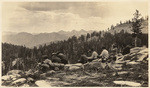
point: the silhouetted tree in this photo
(87, 36)
(136, 26)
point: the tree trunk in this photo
(135, 42)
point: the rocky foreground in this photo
(132, 70)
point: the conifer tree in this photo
(136, 26)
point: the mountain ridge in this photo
(31, 39)
(128, 26)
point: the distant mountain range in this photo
(31, 40)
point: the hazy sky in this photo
(36, 17)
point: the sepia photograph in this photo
(74, 44)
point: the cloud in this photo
(44, 6)
(84, 9)
(88, 9)
(55, 16)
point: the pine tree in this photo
(136, 26)
(87, 36)
(120, 22)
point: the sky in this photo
(40, 17)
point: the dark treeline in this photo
(73, 48)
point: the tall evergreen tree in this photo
(136, 26)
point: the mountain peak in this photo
(73, 31)
(61, 31)
(83, 30)
(24, 33)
